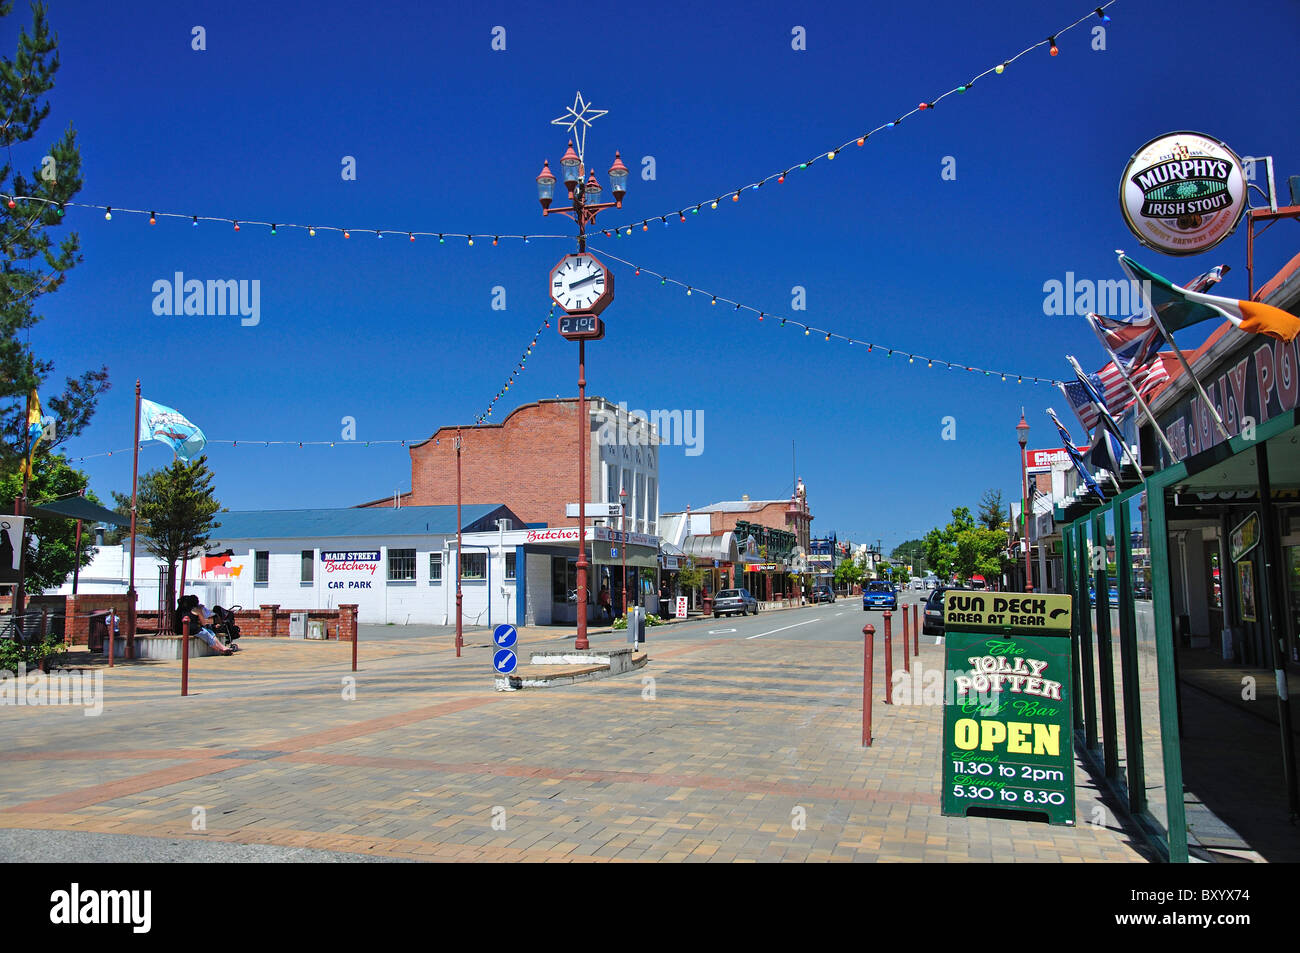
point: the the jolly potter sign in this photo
(1007, 744)
(1256, 383)
(1183, 193)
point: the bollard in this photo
(907, 663)
(889, 661)
(185, 656)
(356, 636)
(868, 650)
(916, 631)
(111, 619)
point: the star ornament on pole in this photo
(577, 118)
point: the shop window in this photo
(309, 565)
(261, 567)
(510, 565)
(401, 565)
(435, 568)
(473, 566)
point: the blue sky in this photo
(448, 134)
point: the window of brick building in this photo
(261, 567)
(308, 565)
(435, 568)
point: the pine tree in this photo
(31, 215)
(175, 514)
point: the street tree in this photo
(176, 512)
(37, 259)
(848, 574)
(992, 510)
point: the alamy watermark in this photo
(182, 296)
(64, 686)
(1081, 296)
(637, 428)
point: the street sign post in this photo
(1007, 741)
(505, 636)
(505, 661)
(681, 607)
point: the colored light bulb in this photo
(236, 226)
(999, 68)
(152, 220)
(108, 214)
(862, 140)
(346, 233)
(272, 229)
(195, 223)
(713, 204)
(311, 231)
(1053, 50)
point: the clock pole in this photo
(585, 205)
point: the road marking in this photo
(782, 629)
(838, 614)
(720, 631)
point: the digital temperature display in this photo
(581, 327)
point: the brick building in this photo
(527, 463)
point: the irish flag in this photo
(1180, 308)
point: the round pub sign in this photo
(1183, 193)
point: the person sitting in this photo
(605, 603)
(189, 607)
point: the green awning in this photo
(78, 508)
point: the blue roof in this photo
(358, 521)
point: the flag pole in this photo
(1133, 389)
(1218, 421)
(135, 475)
(20, 509)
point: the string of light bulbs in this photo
(628, 229)
(620, 231)
(11, 201)
(516, 371)
(809, 330)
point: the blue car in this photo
(879, 595)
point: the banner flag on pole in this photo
(1084, 475)
(1177, 308)
(1091, 385)
(170, 426)
(35, 430)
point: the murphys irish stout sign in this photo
(1183, 193)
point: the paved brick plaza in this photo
(739, 736)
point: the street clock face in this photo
(581, 285)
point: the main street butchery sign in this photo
(350, 569)
(1183, 193)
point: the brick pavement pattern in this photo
(719, 750)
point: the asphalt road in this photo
(839, 621)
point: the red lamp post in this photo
(622, 499)
(1022, 435)
(584, 206)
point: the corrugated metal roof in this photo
(358, 521)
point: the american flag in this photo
(1109, 382)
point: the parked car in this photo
(823, 594)
(932, 623)
(731, 601)
(879, 594)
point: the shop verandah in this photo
(1177, 702)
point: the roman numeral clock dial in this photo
(580, 284)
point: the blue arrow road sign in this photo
(504, 661)
(505, 635)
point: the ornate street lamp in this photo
(622, 499)
(546, 185)
(583, 289)
(1022, 436)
